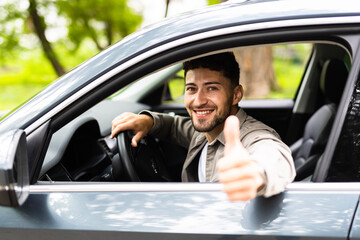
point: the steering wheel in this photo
(126, 155)
(146, 162)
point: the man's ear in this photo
(238, 94)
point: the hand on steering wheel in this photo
(146, 162)
(133, 156)
(140, 124)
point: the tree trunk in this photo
(45, 44)
(109, 32)
(167, 7)
(256, 71)
(92, 33)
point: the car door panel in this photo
(163, 214)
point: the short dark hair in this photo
(221, 62)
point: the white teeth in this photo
(203, 112)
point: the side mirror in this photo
(14, 173)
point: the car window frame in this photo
(322, 168)
(109, 82)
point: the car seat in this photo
(308, 149)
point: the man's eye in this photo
(190, 89)
(212, 88)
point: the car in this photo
(62, 176)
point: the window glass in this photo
(82, 151)
(289, 62)
(266, 72)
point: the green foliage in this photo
(24, 71)
(103, 21)
(176, 87)
(289, 66)
(22, 78)
(92, 26)
(212, 2)
(8, 98)
(11, 24)
(286, 70)
(27, 70)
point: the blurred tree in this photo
(256, 69)
(167, 2)
(39, 27)
(10, 16)
(103, 21)
(257, 73)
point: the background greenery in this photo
(289, 63)
(41, 40)
(25, 69)
(29, 73)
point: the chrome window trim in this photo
(324, 186)
(178, 187)
(185, 40)
(124, 187)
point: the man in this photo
(224, 143)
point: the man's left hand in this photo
(241, 175)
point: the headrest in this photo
(333, 78)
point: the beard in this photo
(203, 125)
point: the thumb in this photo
(232, 134)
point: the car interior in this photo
(82, 150)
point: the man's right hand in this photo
(140, 124)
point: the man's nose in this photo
(200, 98)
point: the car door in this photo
(177, 211)
(145, 211)
(93, 210)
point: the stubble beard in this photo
(203, 125)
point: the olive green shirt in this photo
(262, 143)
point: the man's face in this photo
(208, 98)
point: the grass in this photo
(29, 73)
(289, 65)
(21, 80)
(288, 76)
(15, 94)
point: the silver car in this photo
(62, 177)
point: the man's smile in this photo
(203, 112)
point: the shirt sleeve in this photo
(275, 158)
(177, 129)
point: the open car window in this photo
(266, 72)
(290, 73)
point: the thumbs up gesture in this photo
(241, 176)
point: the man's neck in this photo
(211, 136)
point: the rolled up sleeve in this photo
(275, 158)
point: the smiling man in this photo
(224, 143)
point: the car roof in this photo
(220, 16)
